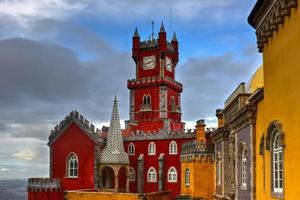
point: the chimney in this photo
(219, 114)
(200, 130)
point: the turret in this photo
(162, 38)
(174, 43)
(200, 130)
(135, 44)
(219, 114)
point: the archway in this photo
(108, 178)
(122, 179)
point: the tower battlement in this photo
(43, 184)
(81, 121)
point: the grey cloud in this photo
(209, 81)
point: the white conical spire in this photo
(114, 150)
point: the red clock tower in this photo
(154, 93)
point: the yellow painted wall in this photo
(76, 195)
(201, 179)
(281, 60)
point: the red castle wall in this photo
(162, 146)
(74, 140)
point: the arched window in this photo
(187, 177)
(173, 148)
(149, 100)
(151, 175)
(244, 169)
(277, 165)
(72, 163)
(131, 149)
(151, 148)
(172, 175)
(131, 174)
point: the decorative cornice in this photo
(266, 17)
(162, 134)
(84, 124)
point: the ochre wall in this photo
(86, 195)
(281, 60)
(75, 195)
(201, 179)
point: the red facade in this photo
(155, 117)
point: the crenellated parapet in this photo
(267, 16)
(195, 147)
(203, 157)
(43, 185)
(82, 122)
(154, 80)
(162, 134)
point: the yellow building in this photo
(197, 167)
(277, 24)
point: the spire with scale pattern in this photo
(114, 152)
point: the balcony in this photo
(146, 108)
(154, 80)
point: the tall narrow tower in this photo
(154, 93)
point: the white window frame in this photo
(173, 148)
(151, 175)
(131, 149)
(131, 174)
(277, 168)
(151, 148)
(172, 175)
(244, 170)
(72, 171)
(219, 173)
(187, 177)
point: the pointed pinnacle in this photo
(136, 33)
(162, 28)
(174, 39)
(115, 99)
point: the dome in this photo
(256, 81)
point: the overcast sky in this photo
(62, 55)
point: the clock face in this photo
(149, 62)
(168, 64)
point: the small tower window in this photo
(146, 104)
(172, 102)
(131, 174)
(172, 175)
(244, 170)
(151, 175)
(187, 177)
(219, 173)
(152, 148)
(173, 148)
(131, 149)
(72, 163)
